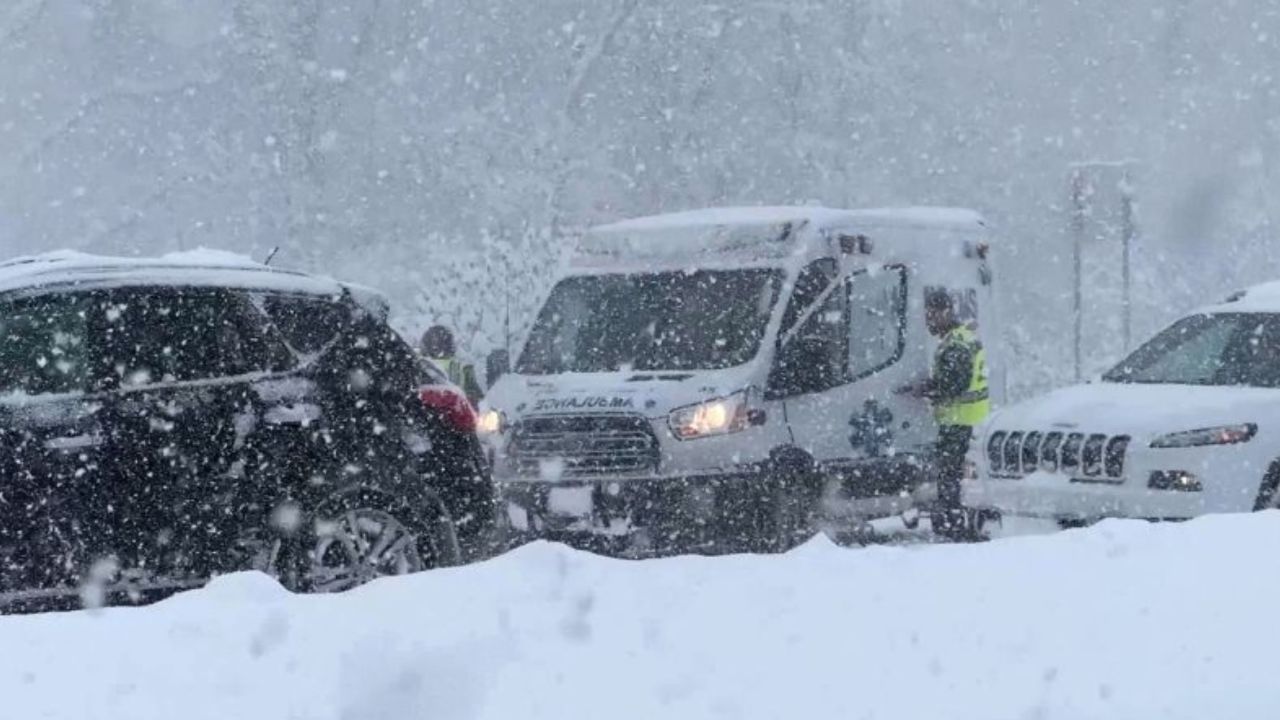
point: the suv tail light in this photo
(452, 405)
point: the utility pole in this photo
(1128, 231)
(1078, 192)
(1086, 180)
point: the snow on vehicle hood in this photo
(1136, 409)
(652, 393)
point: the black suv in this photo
(163, 421)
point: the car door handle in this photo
(292, 414)
(73, 442)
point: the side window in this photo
(370, 358)
(816, 357)
(810, 283)
(44, 345)
(1256, 357)
(877, 320)
(262, 346)
(307, 323)
(154, 336)
(825, 333)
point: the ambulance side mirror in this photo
(495, 366)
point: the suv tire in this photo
(360, 536)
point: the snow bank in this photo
(1124, 620)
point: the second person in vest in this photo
(438, 346)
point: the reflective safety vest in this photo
(974, 404)
(462, 375)
(454, 368)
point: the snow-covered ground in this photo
(1122, 620)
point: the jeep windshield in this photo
(702, 320)
(1218, 349)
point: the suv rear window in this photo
(44, 345)
(307, 323)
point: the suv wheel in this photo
(359, 545)
(352, 540)
(363, 537)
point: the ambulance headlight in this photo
(1221, 435)
(490, 422)
(720, 416)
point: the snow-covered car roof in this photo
(1264, 297)
(194, 268)
(819, 216)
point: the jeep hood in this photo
(1143, 411)
(648, 393)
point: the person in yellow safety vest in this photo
(438, 346)
(960, 395)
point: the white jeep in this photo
(1186, 425)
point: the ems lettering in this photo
(588, 403)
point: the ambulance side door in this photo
(883, 357)
(808, 381)
(837, 374)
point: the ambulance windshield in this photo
(701, 320)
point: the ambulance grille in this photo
(1086, 457)
(574, 446)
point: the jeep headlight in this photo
(720, 416)
(490, 422)
(1220, 435)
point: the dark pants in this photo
(953, 444)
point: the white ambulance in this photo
(714, 379)
(1186, 425)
